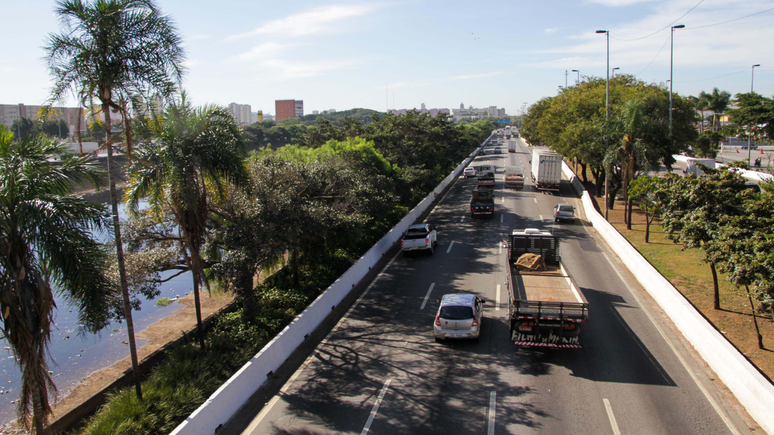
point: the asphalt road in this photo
(380, 370)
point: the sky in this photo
(400, 54)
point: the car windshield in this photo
(456, 313)
(565, 208)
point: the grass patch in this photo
(163, 302)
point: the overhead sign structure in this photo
(503, 121)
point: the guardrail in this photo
(750, 387)
(227, 400)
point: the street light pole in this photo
(565, 78)
(607, 115)
(577, 80)
(671, 81)
(749, 134)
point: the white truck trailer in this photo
(546, 169)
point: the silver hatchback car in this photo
(459, 316)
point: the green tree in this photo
(650, 191)
(45, 246)
(694, 210)
(183, 170)
(23, 128)
(754, 110)
(718, 102)
(55, 128)
(111, 50)
(744, 247)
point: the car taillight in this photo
(438, 320)
(475, 322)
(427, 241)
(401, 243)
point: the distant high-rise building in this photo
(501, 112)
(288, 109)
(315, 112)
(462, 106)
(11, 112)
(241, 112)
(423, 107)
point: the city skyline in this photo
(390, 55)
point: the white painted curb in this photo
(751, 388)
(227, 400)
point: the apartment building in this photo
(288, 109)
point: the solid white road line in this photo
(497, 298)
(450, 246)
(680, 358)
(541, 216)
(503, 201)
(535, 199)
(502, 216)
(376, 407)
(611, 416)
(427, 296)
(499, 247)
(265, 411)
(490, 425)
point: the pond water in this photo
(74, 356)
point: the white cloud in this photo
(474, 76)
(550, 30)
(263, 51)
(317, 20)
(405, 85)
(635, 48)
(307, 69)
(618, 3)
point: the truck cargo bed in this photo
(551, 285)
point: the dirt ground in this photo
(692, 277)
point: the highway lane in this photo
(380, 370)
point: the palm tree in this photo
(45, 244)
(111, 50)
(630, 153)
(702, 104)
(194, 152)
(718, 102)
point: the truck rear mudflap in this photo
(534, 332)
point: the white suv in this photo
(459, 316)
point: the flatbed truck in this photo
(546, 306)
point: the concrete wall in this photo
(750, 387)
(222, 405)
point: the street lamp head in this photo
(679, 26)
(757, 64)
(601, 31)
(616, 68)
